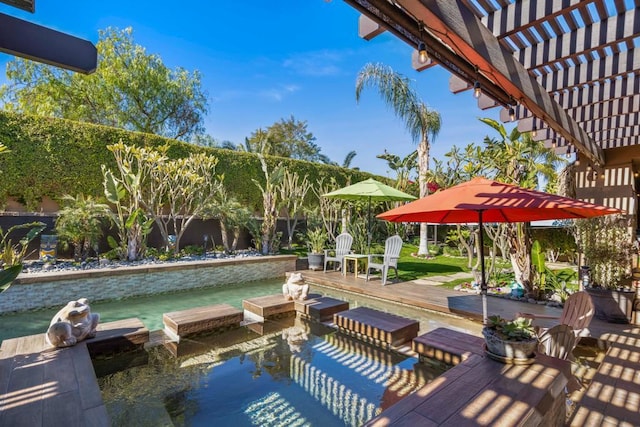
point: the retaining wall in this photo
(34, 291)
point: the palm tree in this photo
(422, 122)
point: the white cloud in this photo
(319, 63)
(278, 93)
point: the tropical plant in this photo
(316, 240)
(12, 254)
(80, 223)
(422, 122)
(270, 191)
(130, 89)
(293, 191)
(129, 218)
(232, 215)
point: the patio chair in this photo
(559, 342)
(577, 313)
(343, 247)
(392, 247)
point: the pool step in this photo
(270, 306)
(321, 309)
(447, 345)
(218, 317)
(377, 326)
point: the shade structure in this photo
(483, 200)
(369, 190)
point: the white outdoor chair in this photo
(577, 312)
(343, 247)
(392, 248)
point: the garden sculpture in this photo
(73, 323)
(295, 288)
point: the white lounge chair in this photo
(392, 247)
(577, 312)
(343, 247)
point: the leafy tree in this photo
(80, 223)
(422, 122)
(130, 89)
(286, 138)
(515, 158)
(206, 140)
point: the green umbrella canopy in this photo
(369, 189)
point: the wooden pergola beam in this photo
(460, 29)
(41, 44)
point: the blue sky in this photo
(264, 61)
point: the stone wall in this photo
(42, 290)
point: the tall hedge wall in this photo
(54, 157)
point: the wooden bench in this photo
(270, 306)
(447, 345)
(321, 309)
(197, 320)
(377, 326)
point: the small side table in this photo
(355, 258)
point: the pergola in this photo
(566, 69)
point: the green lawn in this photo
(411, 268)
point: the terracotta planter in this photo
(508, 349)
(613, 306)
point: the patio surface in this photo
(611, 399)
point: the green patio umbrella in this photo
(369, 190)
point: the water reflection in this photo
(292, 372)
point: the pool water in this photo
(148, 309)
(297, 374)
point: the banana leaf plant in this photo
(12, 254)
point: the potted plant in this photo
(514, 339)
(316, 239)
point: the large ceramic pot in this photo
(508, 349)
(613, 306)
(316, 261)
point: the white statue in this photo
(73, 323)
(295, 288)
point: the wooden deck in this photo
(197, 320)
(44, 386)
(377, 325)
(612, 398)
(481, 391)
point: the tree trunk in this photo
(423, 168)
(521, 256)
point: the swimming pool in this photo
(298, 373)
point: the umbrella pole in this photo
(369, 228)
(483, 282)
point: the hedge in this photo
(53, 157)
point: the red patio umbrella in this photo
(483, 200)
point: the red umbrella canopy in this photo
(497, 201)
